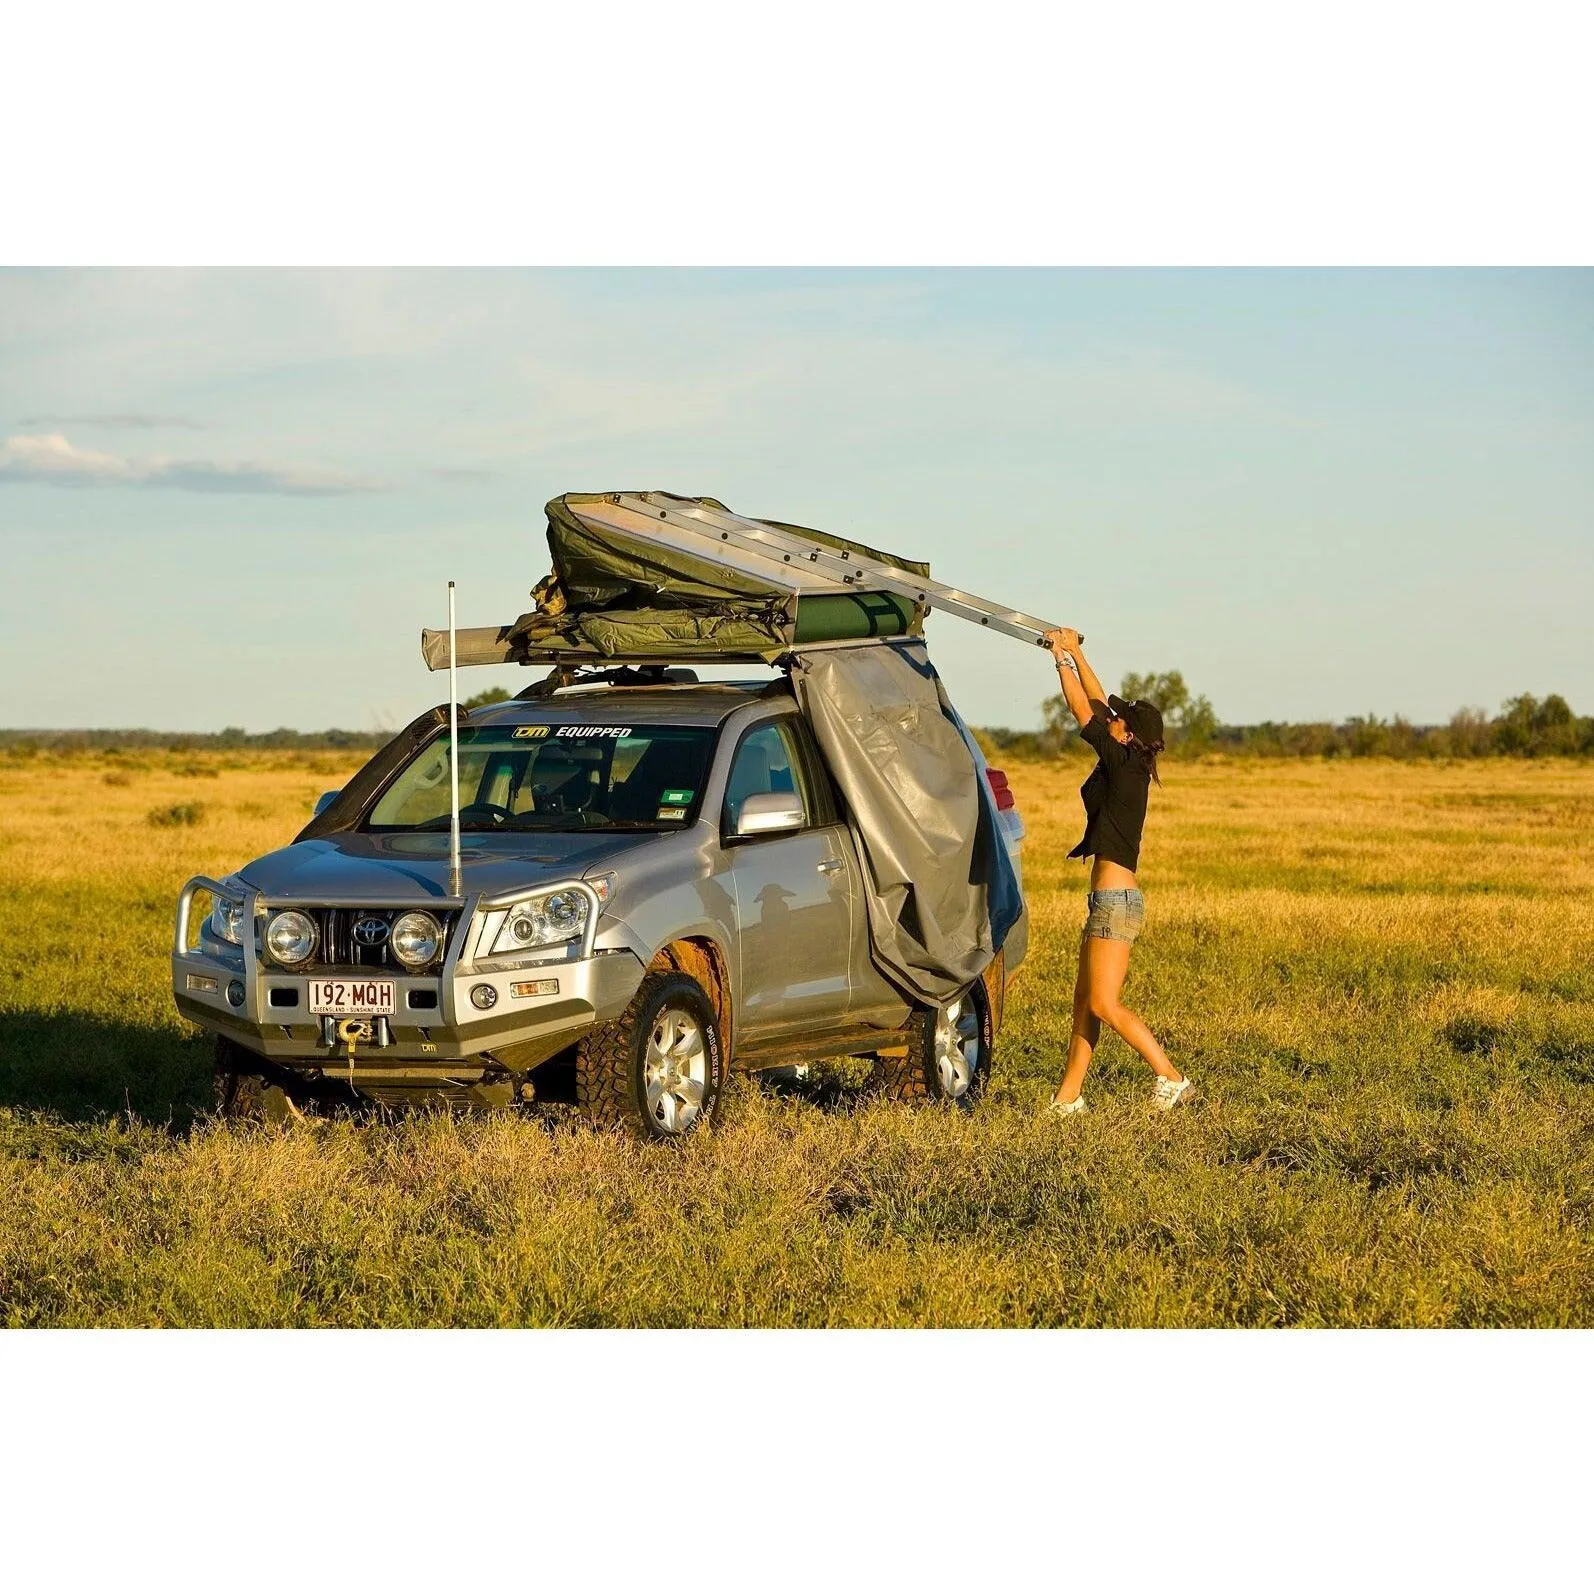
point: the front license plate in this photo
(352, 998)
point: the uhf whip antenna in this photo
(453, 751)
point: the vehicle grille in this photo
(339, 947)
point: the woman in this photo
(1127, 738)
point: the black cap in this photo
(1143, 719)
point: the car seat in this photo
(665, 764)
(562, 783)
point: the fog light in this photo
(202, 982)
(484, 996)
(417, 939)
(291, 937)
(235, 992)
(534, 988)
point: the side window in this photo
(824, 801)
(766, 760)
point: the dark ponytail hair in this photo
(1146, 752)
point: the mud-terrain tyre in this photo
(240, 1095)
(949, 1054)
(659, 1068)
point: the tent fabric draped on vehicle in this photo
(941, 891)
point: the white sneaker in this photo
(1169, 1093)
(1067, 1109)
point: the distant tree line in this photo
(233, 738)
(230, 739)
(1525, 727)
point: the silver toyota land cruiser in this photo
(658, 885)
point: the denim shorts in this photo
(1115, 915)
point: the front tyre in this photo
(949, 1054)
(658, 1069)
(240, 1096)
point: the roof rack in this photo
(564, 675)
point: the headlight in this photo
(291, 937)
(543, 921)
(416, 939)
(227, 920)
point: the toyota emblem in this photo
(370, 931)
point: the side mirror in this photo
(325, 801)
(766, 812)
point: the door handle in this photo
(829, 865)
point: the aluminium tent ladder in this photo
(769, 542)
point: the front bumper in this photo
(231, 991)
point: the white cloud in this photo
(49, 458)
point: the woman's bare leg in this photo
(1103, 965)
(1082, 1041)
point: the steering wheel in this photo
(561, 799)
(496, 812)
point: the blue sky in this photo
(234, 497)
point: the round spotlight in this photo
(235, 992)
(416, 940)
(484, 996)
(291, 937)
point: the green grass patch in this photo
(1391, 1023)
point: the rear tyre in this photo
(949, 1053)
(658, 1069)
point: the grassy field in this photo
(1381, 976)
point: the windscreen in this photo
(554, 777)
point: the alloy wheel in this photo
(957, 1047)
(675, 1071)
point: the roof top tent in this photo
(655, 579)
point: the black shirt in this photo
(1114, 795)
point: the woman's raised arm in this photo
(1073, 672)
(1093, 687)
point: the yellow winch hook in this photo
(351, 1031)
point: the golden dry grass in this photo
(1379, 974)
